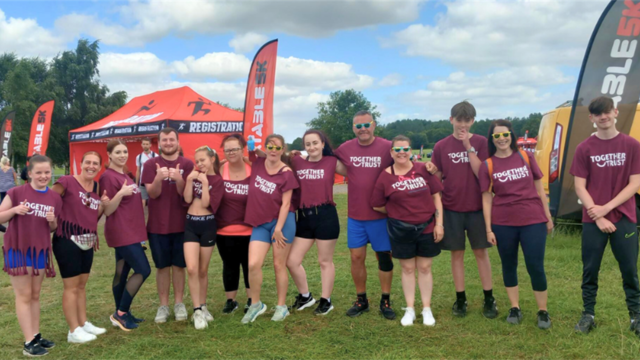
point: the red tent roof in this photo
(146, 115)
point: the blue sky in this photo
(413, 58)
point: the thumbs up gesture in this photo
(163, 172)
(51, 217)
(126, 190)
(21, 209)
(174, 174)
(105, 199)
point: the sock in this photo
(386, 297)
(461, 296)
(488, 294)
(362, 296)
(198, 308)
(201, 305)
(329, 300)
(306, 295)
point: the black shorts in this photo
(167, 250)
(319, 222)
(201, 229)
(455, 225)
(423, 246)
(72, 261)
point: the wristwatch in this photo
(472, 150)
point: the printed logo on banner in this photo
(146, 108)
(207, 127)
(198, 106)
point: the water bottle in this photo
(251, 144)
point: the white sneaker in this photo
(180, 311)
(207, 314)
(427, 317)
(199, 321)
(409, 317)
(89, 328)
(79, 336)
(163, 314)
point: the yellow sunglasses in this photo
(271, 147)
(504, 135)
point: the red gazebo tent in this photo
(198, 120)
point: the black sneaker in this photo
(230, 306)
(135, 319)
(585, 324)
(246, 307)
(544, 322)
(635, 324)
(44, 342)
(386, 310)
(515, 316)
(359, 306)
(324, 307)
(489, 310)
(302, 302)
(459, 308)
(124, 322)
(34, 349)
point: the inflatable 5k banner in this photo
(258, 106)
(5, 134)
(40, 127)
(611, 67)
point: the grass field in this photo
(305, 336)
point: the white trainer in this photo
(180, 311)
(427, 317)
(163, 314)
(207, 314)
(199, 321)
(409, 317)
(79, 336)
(89, 328)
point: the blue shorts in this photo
(361, 232)
(14, 259)
(265, 231)
(167, 250)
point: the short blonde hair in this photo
(4, 160)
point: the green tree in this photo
(296, 144)
(335, 116)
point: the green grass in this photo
(305, 336)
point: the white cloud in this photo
(221, 66)
(475, 34)
(26, 38)
(247, 42)
(315, 75)
(143, 67)
(151, 21)
(394, 79)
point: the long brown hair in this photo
(110, 146)
(326, 150)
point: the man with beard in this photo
(164, 178)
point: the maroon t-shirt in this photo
(31, 231)
(316, 181)
(461, 188)
(364, 165)
(215, 191)
(408, 197)
(233, 204)
(265, 193)
(126, 225)
(516, 201)
(607, 165)
(168, 211)
(80, 215)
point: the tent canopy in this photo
(181, 108)
(198, 120)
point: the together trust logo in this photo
(366, 161)
(609, 160)
(512, 174)
(459, 157)
(38, 210)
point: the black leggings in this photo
(127, 258)
(234, 251)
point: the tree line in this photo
(335, 118)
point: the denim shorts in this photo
(265, 231)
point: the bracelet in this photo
(440, 225)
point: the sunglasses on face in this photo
(229, 151)
(366, 125)
(504, 135)
(87, 200)
(272, 147)
(399, 149)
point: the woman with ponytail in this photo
(203, 191)
(75, 241)
(123, 231)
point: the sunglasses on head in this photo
(366, 125)
(504, 135)
(271, 147)
(398, 149)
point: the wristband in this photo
(442, 226)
